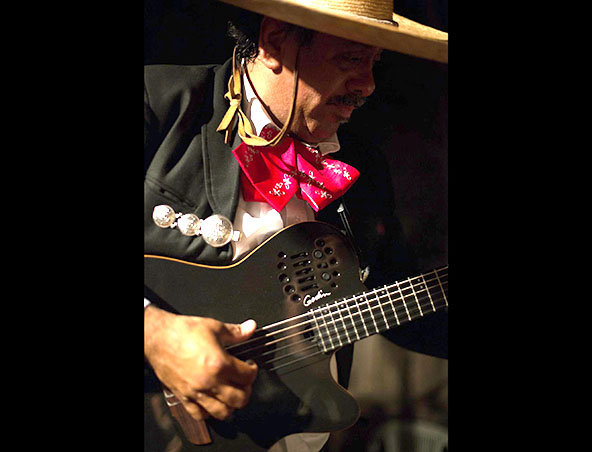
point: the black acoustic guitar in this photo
(303, 288)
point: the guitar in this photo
(303, 284)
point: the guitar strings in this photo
(379, 325)
(361, 320)
(329, 315)
(364, 316)
(348, 304)
(307, 356)
(379, 321)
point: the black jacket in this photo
(185, 158)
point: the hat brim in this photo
(408, 37)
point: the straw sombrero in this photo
(371, 22)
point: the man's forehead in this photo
(345, 44)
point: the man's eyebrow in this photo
(351, 46)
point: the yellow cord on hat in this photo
(245, 130)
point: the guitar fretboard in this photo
(354, 318)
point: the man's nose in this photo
(362, 82)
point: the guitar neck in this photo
(351, 319)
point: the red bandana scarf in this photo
(275, 174)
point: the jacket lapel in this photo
(221, 170)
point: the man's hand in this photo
(187, 356)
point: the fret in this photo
(427, 289)
(441, 288)
(401, 310)
(353, 322)
(436, 292)
(415, 296)
(340, 311)
(388, 294)
(373, 304)
(388, 327)
(362, 318)
(328, 332)
(388, 307)
(318, 329)
(323, 330)
(403, 300)
(371, 313)
(335, 326)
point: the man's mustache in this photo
(349, 100)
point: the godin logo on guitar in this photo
(308, 300)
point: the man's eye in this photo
(352, 59)
(348, 61)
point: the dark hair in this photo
(244, 30)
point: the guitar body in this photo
(299, 269)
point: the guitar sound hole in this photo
(308, 271)
(310, 287)
(304, 271)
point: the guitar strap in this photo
(344, 356)
(343, 215)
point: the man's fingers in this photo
(231, 369)
(241, 373)
(202, 403)
(219, 402)
(234, 333)
(234, 397)
(194, 410)
(191, 359)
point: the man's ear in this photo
(272, 39)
